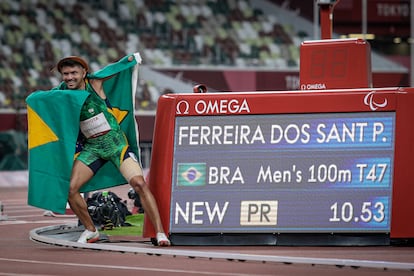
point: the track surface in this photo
(21, 256)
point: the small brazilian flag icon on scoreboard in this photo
(191, 174)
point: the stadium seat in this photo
(36, 33)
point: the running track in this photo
(19, 255)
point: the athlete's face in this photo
(73, 76)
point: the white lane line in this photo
(25, 216)
(20, 274)
(16, 205)
(14, 201)
(21, 211)
(13, 222)
(123, 267)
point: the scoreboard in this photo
(335, 63)
(227, 167)
(326, 172)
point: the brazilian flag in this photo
(191, 174)
(53, 128)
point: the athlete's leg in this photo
(80, 175)
(132, 171)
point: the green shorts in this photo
(109, 147)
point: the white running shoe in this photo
(89, 236)
(162, 240)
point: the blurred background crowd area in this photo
(35, 34)
(250, 34)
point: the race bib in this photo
(95, 126)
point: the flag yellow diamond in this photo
(39, 132)
(118, 113)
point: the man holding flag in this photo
(88, 118)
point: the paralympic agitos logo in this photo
(370, 101)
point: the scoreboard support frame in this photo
(394, 99)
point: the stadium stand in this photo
(36, 33)
(242, 33)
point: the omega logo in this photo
(313, 86)
(222, 106)
(182, 107)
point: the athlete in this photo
(103, 141)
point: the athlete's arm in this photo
(97, 85)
